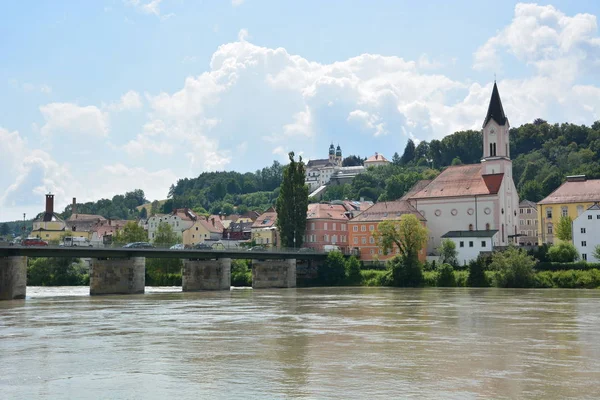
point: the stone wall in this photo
(273, 274)
(206, 275)
(13, 277)
(118, 276)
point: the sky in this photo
(102, 97)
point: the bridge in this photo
(121, 270)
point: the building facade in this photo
(376, 160)
(362, 227)
(528, 223)
(326, 225)
(264, 229)
(474, 197)
(570, 199)
(470, 244)
(48, 225)
(586, 233)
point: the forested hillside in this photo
(543, 155)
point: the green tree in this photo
(456, 161)
(564, 228)
(448, 253)
(292, 204)
(353, 275)
(531, 190)
(407, 234)
(4, 229)
(352, 161)
(396, 160)
(563, 252)
(165, 237)
(477, 277)
(227, 209)
(333, 270)
(143, 213)
(404, 272)
(131, 232)
(596, 252)
(445, 276)
(409, 152)
(513, 268)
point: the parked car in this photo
(328, 248)
(257, 248)
(34, 242)
(178, 246)
(202, 246)
(306, 250)
(138, 245)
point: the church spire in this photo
(495, 110)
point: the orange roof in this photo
(461, 180)
(577, 191)
(208, 224)
(326, 211)
(420, 185)
(385, 210)
(377, 158)
(266, 219)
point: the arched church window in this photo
(470, 227)
(487, 226)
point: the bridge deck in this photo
(119, 252)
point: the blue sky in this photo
(97, 98)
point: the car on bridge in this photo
(202, 246)
(257, 248)
(138, 245)
(34, 242)
(178, 246)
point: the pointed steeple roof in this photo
(495, 110)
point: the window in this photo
(528, 222)
(334, 239)
(549, 212)
(371, 240)
(529, 211)
(584, 257)
(267, 241)
(326, 238)
(470, 227)
(312, 226)
(355, 240)
(521, 222)
(380, 251)
(487, 226)
(549, 229)
(334, 228)
(193, 236)
(355, 228)
(583, 243)
(521, 211)
(325, 225)
(470, 243)
(372, 251)
(582, 230)
(196, 228)
(364, 240)
(564, 211)
(371, 228)
(462, 244)
(343, 227)
(598, 216)
(589, 217)
(483, 243)
(363, 228)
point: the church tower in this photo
(332, 154)
(496, 144)
(338, 156)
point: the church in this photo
(473, 201)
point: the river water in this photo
(326, 343)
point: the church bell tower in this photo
(496, 144)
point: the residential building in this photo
(362, 227)
(238, 231)
(201, 231)
(103, 232)
(586, 233)
(264, 229)
(326, 224)
(376, 160)
(528, 223)
(474, 197)
(48, 225)
(469, 244)
(571, 199)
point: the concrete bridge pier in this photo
(13, 277)
(273, 274)
(118, 275)
(206, 275)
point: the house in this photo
(180, 220)
(362, 227)
(586, 233)
(528, 223)
(469, 244)
(376, 160)
(319, 172)
(474, 197)
(48, 225)
(571, 199)
(104, 231)
(264, 229)
(200, 231)
(326, 224)
(238, 231)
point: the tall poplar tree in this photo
(292, 204)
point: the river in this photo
(325, 343)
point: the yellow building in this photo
(197, 233)
(571, 199)
(48, 225)
(264, 229)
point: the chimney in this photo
(74, 206)
(49, 203)
(109, 222)
(376, 155)
(213, 221)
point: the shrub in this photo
(353, 270)
(448, 253)
(430, 278)
(372, 277)
(56, 272)
(405, 272)
(333, 270)
(569, 279)
(513, 268)
(461, 278)
(563, 252)
(477, 276)
(445, 276)
(241, 275)
(163, 272)
(558, 266)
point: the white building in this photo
(469, 244)
(180, 220)
(376, 160)
(474, 197)
(319, 172)
(586, 233)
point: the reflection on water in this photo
(344, 343)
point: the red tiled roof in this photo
(326, 211)
(420, 185)
(376, 158)
(575, 192)
(266, 220)
(86, 217)
(385, 210)
(208, 224)
(461, 180)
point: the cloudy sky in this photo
(101, 97)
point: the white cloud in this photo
(129, 101)
(546, 39)
(30, 87)
(74, 120)
(118, 178)
(236, 3)
(151, 7)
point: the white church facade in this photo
(476, 197)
